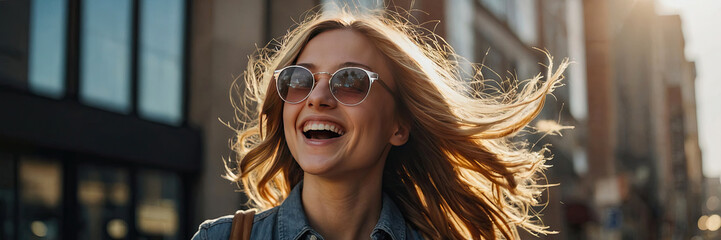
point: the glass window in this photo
(330, 5)
(46, 60)
(460, 29)
(103, 203)
(161, 60)
(7, 196)
(158, 204)
(522, 20)
(105, 54)
(497, 7)
(40, 206)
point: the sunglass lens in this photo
(294, 84)
(350, 86)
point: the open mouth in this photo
(322, 130)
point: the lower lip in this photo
(320, 142)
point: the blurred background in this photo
(112, 112)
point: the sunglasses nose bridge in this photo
(322, 73)
(318, 79)
(321, 94)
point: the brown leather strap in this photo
(242, 225)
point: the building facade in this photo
(642, 88)
(95, 142)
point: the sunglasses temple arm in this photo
(374, 78)
(385, 86)
(276, 73)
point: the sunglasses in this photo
(349, 85)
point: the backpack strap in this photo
(242, 225)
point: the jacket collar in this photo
(293, 224)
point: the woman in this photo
(366, 128)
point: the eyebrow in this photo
(342, 65)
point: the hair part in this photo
(459, 175)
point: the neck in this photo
(345, 209)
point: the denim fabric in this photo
(288, 222)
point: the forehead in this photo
(329, 50)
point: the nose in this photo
(321, 97)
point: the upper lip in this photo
(303, 120)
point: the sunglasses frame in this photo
(372, 77)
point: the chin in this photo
(317, 165)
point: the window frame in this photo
(73, 60)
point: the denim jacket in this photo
(288, 222)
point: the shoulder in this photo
(219, 228)
(265, 216)
(264, 224)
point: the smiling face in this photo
(328, 138)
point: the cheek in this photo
(287, 116)
(377, 121)
(384, 109)
(290, 114)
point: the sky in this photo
(702, 32)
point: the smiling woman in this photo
(367, 128)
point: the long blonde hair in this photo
(459, 176)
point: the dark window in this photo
(40, 191)
(14, 17)
(103, 203)
(7, 196)
(158, 209)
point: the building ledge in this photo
(68, 126)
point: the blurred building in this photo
(642, 135)
(684, 154)
(710, 222)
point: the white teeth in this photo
(323, 126)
